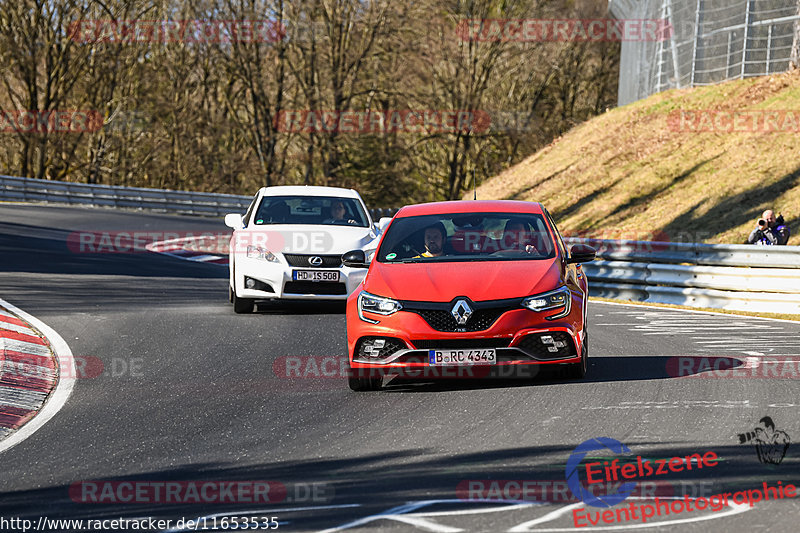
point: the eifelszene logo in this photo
(613, 471)
(574, 481)
(770, 443)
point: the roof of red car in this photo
(471, 206)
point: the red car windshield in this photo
(467, 237)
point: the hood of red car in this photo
(477, 280)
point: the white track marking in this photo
(676, 310)
(708, 331)
(552, 515)
(403, 514)
(13, 345)
(17, 328)
(61, 392)
(22, 399)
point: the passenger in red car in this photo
(516, 236)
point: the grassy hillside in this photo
(629, 171)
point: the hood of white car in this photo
(308, 239)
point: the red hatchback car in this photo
(487, 285)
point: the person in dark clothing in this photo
(770, 230)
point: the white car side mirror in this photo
(383, 223)
(233, 220)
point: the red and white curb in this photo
(36, 374)
(189, 249)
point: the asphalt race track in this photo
(191, 392)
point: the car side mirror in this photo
(580, 253)
(355, 259)
(383, 223)
(233, 220)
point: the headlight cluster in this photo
(376, 304)
(256, 252)
(558, 298)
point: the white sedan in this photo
(289, 245)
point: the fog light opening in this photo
(552, 345)
(254, 284)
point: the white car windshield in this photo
(325, 210)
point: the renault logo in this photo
(461, 312)
(315, 260)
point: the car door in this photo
(231, 245)
(573, 273)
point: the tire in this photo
(363, 384)
(243, 306)
(578, 370)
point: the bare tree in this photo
(42, 64)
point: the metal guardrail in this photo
(722, 276)
(62, 192)
(162, 200)
(739, 255)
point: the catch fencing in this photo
(711, 41)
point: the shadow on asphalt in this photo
(298, 307)
(377, 482)
(47, 252)
(602, 369)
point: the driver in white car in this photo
(338, 214)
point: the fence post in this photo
(769, 46)
(794, 55)
(660, 46)
(698, 21)
(729, 54)
(675, 66)
(747, 13)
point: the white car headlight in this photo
(376, 304)
(256, 252)
(558, 298)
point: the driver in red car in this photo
(434, 236)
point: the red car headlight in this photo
(558, 298)
(376, 304)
